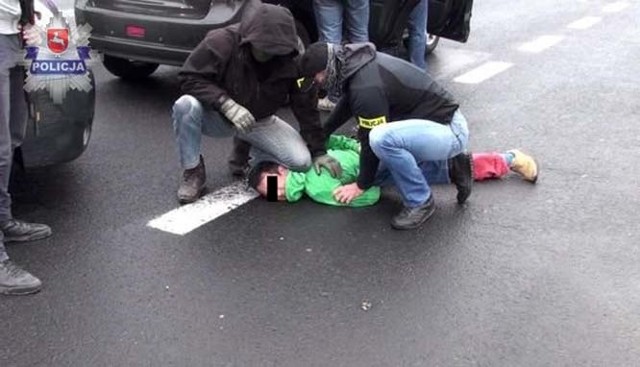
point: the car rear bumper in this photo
(165, 40)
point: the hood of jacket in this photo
(294, 186)
(352, 57)
(270, 29)
(344, 61)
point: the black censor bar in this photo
(272, 188)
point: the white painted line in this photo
(584, 23)
(540, 44)
(483, 72)
(186, 218)
(615, 7)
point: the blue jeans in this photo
(13, 118)
(405, 149)
(418, 34)
(330, 14)
(271, 138)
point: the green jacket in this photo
(320, 187)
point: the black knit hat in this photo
(314, 59)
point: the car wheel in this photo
(432, 42)
(128, 69)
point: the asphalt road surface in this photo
(522, 275)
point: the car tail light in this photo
(135, 31)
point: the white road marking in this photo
(615, 7)
(540, 44)
(483, 72)
(584, 23)
(186, 218)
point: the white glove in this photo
(31, 35)
(239, 116)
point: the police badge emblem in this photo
(57, 39)
(62, 64)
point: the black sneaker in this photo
(18, 231)
(461, 175)
(410, 218)
(14, 281)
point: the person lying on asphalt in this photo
(233, 82)
(404, 119)
(321, 186)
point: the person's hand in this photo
(31, 35)
(347, 193)
(328, 162)
(239, 116)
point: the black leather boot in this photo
(461, 175)
(239, 159)
(410, 218)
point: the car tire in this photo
(432, 42)
(128, 69)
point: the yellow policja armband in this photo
(372, 122)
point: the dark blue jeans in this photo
(332, 14)
(418, 34)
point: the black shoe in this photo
(461, 175)
(15, 281)
(239, 159)
(18, 231)
(238, 171)
(410, 218)
(193, 183)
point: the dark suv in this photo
(136, 36)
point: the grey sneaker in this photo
(18, 231)
(193, 183)
(14, 281)
(410, 218)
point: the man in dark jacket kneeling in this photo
(233, 82)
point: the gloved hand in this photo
(329, 163)
(239, 116)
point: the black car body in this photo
(136, 36)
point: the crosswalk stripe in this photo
(187, 218)
(540, 44)
(584, 23)
(483, 72)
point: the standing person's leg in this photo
(402, 146)
(8, 50)
(329, 20)
(329, 15)
(13, 280)
(275, 140)
(417, 26)
(357, 21)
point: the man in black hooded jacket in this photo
(404, 119)
(233, 82)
